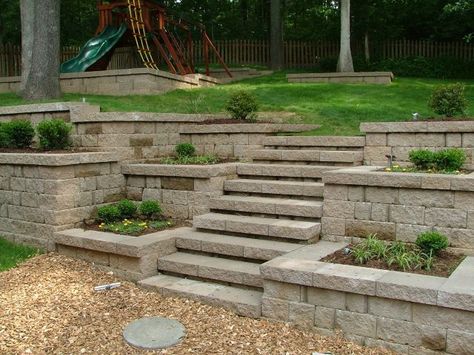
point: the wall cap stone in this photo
(42, 108)
(192, 171)
(142, 117)
(59, 159)
(418, 127)
(340, 75)
(247, 128)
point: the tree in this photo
(276, 36)
(40, 62)
(345, 63)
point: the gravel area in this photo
(47, 305)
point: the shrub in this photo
(185, 150)
(149, 208)
(449, 100)
(422, 159)
(126, 208)
(432, 242)
(242, 106)
(17, 134)
(4, 141)
(109, 214)
(54, 134)
(450, 159)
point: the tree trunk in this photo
(40, 26)
(345, 56)
(276, 40)
(367, 47)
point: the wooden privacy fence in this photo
(297, 54)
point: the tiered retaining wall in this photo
(346, 78)
(399, 138)
(184, 191)
(43, 193)
(398, 206)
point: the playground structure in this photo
(143, 24)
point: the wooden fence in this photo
(297, 54)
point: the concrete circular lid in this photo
(154, 333)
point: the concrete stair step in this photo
(233, 246)
(267, 205)
(212, 268)
(275, 187)
(308, 155)
(284, 171)
(312, 141)
(268, 227)
(247, 303)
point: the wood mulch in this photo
(444, 265)
(47, 305)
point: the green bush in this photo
(126, 208)
(449, 100)
(109, 214)
(432, 242)
(242, 106)
(450, 159)
(4, 140)
(422, 159)
(54, 134)
(185, 150)
(17, 134)
(150, 208)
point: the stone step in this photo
(212, 268)
(241, 247)
(268, 227)
(247, 303)
(267, 205)
(307, 155)
(312, 141)
(275, 187)
(284, 171)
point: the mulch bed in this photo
(445, 263)
(176, 224)
(47, 305)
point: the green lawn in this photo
(338, 108)
(13, 254)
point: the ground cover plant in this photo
(185, 155)
(338, 108)
(426, 256)
(129, 218)
(12, 254)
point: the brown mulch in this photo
(47, 305)
(444, 265)
(178, 223)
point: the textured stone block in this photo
(376, 139)
(460, 343)
(409, 232)
(390, 308)
(302, 314)
(362, 229)
(381, 195)
(335, 192)
(356, 323)
(175, 183)
(407, 214)
(326, 298)
(379, 212)
(363, 210)
(356, 303)
(333, 226)
(356, 193)
(275, 309)
(443, 317)
(282, 290)
(427, 198)
(446, 217)
(324, 317)
(338, 209)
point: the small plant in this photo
(134, 227)
(432, 242)
(449, 100)
(17, 134)
(185, 150)
(242, 106)
(109, 214)
(450, 159)
(54, 134)
(195, 160)
(422, 159)
(150, 208)
(370, 248)
(126, 208)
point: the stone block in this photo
(427, 198)
(409, 232)
(464, 200)
(460, 343)
(356, 303)
(302, 314)
(381, 195)
(363, 210)
(324, 317)
(136, 181)
(333, 226)
(335, 192)
(379, 212)
(356, 323)
(430, 140)
(356, 193)
(401, 140)
(396, 348)
(275, 308)
(326, 298)
(175, 183)
(151, 194)
(443, 317)
(407, 214)
(376, 139)
(390, 308)
(357, 228)
(446, 217)
(338, 209)
(376, 153)
(454, 140)
(282, 290)
(458, 238)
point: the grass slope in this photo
(338, 108)
(13, 254)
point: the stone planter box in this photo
(399, 138)
(408, 313)
(347, 78)
(132, 258)
(43, 193)
(398, 206)
(184, 190)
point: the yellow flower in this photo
(388, 169)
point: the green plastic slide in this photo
(94, 49)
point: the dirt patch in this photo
(444, 265)
(48, 305)
(175, 224)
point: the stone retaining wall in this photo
(398, 206)
(43, 193)
(408, 313)
(347, 78)
(399, 138)
(184, 191)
